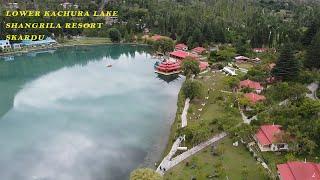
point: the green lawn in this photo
(234, 160)
(86, 41)
(218, 114)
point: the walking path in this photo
(184, 120)
(168, 163)
(167, 159)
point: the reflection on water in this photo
(169, 78)
(66, 116)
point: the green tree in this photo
(145, 174)
(226, 53)
(213, 56)
(190, 66)
(192, 88)
(287, 66)
(312, 60)
(114, 35)
(232, 82)
(242, 47)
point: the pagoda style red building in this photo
(168, 68)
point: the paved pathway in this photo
(184, 120)
(166, 160)
(169, 163)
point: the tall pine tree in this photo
(287, 66)
(312, 60)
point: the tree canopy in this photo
(287, 66)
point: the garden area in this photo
(218, 162)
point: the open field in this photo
(86, 41)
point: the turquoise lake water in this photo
(65, 116)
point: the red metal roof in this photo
(182, 54)
(168, 66)
(251, 84)
(203, 65)
(254, 98)
(198, 50)
(181, 46)
(266, 134)
(157, 37)
(299, 171)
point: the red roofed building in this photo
(181, 47)
(254, 98)
(157, 37)
(203, 65)
(252, 85)
(181, 55)
(269, 138)
(199, 50)
(299, 171)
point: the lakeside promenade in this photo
(168, 162)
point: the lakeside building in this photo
(181, 55)
(5, 45)
(46, 42)
(181, 47)
(229, 71)
(199, 50)
(16, 46)
(256, 86)
(296, 170)
(269, 138)
(254, 98)
(168, 68)
(241, 59)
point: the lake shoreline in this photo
(4, 54)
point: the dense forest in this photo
(263, 23)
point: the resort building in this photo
(157, 37)
(254, 98)
(181, 55)
(181, 47)
(299, 171)
(203, 65)
(199, 50)
(256, 86)
(168, 68)
(229, 71)
(5, 45)
(269, 138)
(46, 42)
(241, 58)
(16, 46)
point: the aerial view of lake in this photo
(65, 115)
